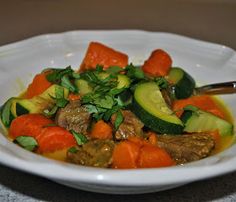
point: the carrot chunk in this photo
(73, 97)
(125, 155)
(54, 138)
(28, 125)
(101, 130)
(38, 85)
(151, 156)
(204, 102)
(138, 153)
(152, 138)
(158, 64)
(99, 54)
(49, 138)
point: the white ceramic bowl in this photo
(207, 62)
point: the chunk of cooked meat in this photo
(167, 97)
(187, 148)
(73, 117)
(131, 125)
(97, 153)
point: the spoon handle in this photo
(217, 88)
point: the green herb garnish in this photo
(73, 150)
(65, 82)
(63, 77)
(56, 74)
(27, 142)
(119, 119)
(134, 72)
(79, 137)
(161, 82)
(60, 102)
(114, 70)
(5, 113)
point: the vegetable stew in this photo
(112, 114)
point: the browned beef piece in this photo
(97, 153)
(167, 97)
(187, 148)
(73, 117)
(131, 126)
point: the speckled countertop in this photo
(21, 187)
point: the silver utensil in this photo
(216, 88)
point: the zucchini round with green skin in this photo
(83, 86)
(123, 80)
(39, 103)
(184, 84)
(198, 121)
(126, 97)
(150, 107)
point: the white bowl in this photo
(207, 62)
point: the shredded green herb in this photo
(27, 142)
(79, 137)
(134, 72)
(161, 82)
(119, 119)
(73, 150)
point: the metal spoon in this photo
(216, 88)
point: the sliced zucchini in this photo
(37, 104)
(126, 97)
(183, 83)
(202, 121)
(150, 107)
(83, 86)
(123, 80)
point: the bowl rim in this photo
(136, 177)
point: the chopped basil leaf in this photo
(119, 119)
(134, 72)
(120, 102)
(114, 70)
(26, 142)
(59, 92)
(109, 113)
(50, 113)
(62, 102)
(73, 150)
(75, 75)
(116, 91)
(106, 102)
(99, 68)
(91, 108)
(5, 112)
(50, 125)
(65, 82)
(56, 75)
(80, 138)
(161, 82)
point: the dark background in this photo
(210, 20)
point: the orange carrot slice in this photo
(101, 130)
(99, 54)
(158, 64)
(204, 102)
(38, 85)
